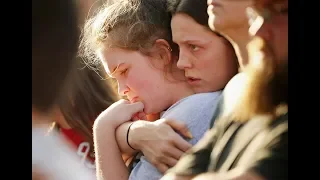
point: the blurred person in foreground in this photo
(228, 18)
(54, 45)
(87, 94)
(250, 137)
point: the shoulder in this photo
(196, 112)
(195, 108)
(54, 155)
(196, 101)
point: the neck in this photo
(180, 90)
(239, 38)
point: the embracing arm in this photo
(122, 133)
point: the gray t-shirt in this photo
(54, 157)
(196, 112)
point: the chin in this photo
(200, 90)
(148, 110)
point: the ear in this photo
(164, 50)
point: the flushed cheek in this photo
(141, 88)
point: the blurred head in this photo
(226, 15)
(132, 39)
(268, 19)
(87, 94)
(208, 59)
(54, 45)
(266, 89)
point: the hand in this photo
(120, 112)
(158, 141)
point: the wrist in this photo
(102, 128)
(134, 136)
(103, 122)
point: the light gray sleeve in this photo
(196, 111)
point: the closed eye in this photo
(123, 72)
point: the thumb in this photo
(133, 108)
(180, 127)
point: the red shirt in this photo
(83, 148)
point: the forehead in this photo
(185, 28)
(111, 58)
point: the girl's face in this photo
(208, 60)
(137, 78)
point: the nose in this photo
(123, 89)
(184, 60)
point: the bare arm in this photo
(121, 137)
(158, 141)
(109, 163)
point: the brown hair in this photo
(129, 24)
(85, 97)
(54, 45)
(197, 10)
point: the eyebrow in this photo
(187, 41)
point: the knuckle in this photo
(162, 149)
(159, 157)
(154, 161)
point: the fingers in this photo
(135, 117)
(180, 143)
(173, 152)
(135, 107)
(139, 116)
(142, 115)
(180, 127)
(169, 161)
(162, 167)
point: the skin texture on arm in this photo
(107, 153)
(164, 146)
(109, 162)
(121, 137)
